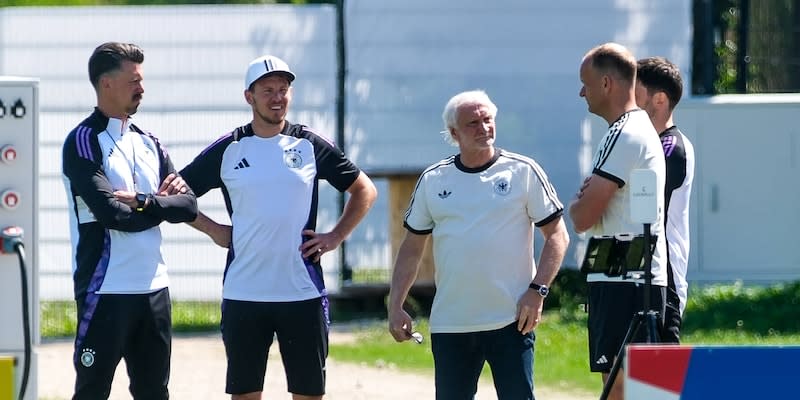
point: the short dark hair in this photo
(109, 57)
(657, 74)
(611, 58)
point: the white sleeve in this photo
(543, 202)
(616, 157)
(418, 218)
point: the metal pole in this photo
(346, 273)
(794, 52)
(707, 55)
(742, 59)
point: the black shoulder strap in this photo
(137, 129)
(237, 133)
(296, 129)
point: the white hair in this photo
(450, 113)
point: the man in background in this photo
(658, 90)
(602, 205)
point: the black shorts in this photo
(302, 331)
(137, 327)
(611, 309)
(672, 312)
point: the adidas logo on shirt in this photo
(444, 194)
(242, 164)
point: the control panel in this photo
(19, 122)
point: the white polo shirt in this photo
(481, 220)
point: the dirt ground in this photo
(198, 373)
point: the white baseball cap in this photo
(265, 65)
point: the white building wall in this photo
(195, 59)
(405, 59)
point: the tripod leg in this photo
(653, 335)
(634, 326)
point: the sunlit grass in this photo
(730, 315)
(561, 352)
(561, 355)
(58, 317)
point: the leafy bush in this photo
(568, 294)
(764, 310)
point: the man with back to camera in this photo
(121, 185)
(602, 206)
(659, 88)
(479, 207)
(269, 171)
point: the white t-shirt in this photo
(270, 187)
(631, 143)
(481, 220)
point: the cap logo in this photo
(264, 66)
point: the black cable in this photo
(26, 329)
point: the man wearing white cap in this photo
(268, 171)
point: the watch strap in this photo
(543, 290)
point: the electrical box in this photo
(19, 123)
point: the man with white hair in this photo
(480, 207)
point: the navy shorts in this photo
(612, 306)
(301, 327)
(459, 357)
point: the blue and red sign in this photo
(659, 372)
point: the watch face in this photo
(141, 198)
(544, 291)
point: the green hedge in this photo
(756, 309)
(762, 310)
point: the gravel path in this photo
(198, 373)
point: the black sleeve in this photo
(88, 180)
(332, 165)
(676, 169)
(203, 173)
(173, 208)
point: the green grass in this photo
(561, 352)
(58, 317)
(716, 315)
(560, 358)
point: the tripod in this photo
(646, 316)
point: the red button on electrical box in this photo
(10, 199)
(8, 154)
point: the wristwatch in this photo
(541, 289)
(141, 201)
